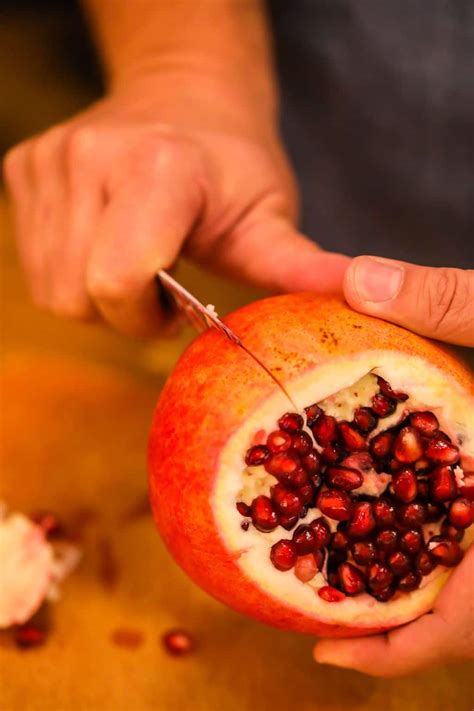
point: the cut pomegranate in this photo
(408, 445)
(425, 422)
(257, 455)
(344, 478)
(351, 579)
(365, 419)
(353, 440)
(405, 485)
(461, 513)
(279, 441)
(381, 445)
(424, 563)
(399, 563)
(286, 501)
(445, 552)
(383, 406)
(325, 430)
(439, 450)
(284, 466)
(379, 576)
(291, 422)
(335, 504)
(283, 554)
(263, 514)
(330, 594)
(362, 521)
(363, 552)
(384, 594)
(442, 483)
(410, 582)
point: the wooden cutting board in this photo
(76, 406)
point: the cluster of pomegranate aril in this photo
(379, 544)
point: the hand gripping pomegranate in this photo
(338, 516)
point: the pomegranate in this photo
(334, 516)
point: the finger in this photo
(434, 302)
(267, 251)
(419, 645)
(142, 229)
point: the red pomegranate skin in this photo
(211, 391)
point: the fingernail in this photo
(377, 280)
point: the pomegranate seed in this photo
(384, 594)
(461, 513)
(312, 462)
(325, 430)
(332, 453)
(339, 541)
(386, 389)
(424, 563)
(335, 504)
(386, 539)
(243, 509)
(381, 445)
(424, 422)
(383, 406)
(438, 450)
(29, 635)
(352, 439)
(245, 525)
(365, 420)
(408, 445)
(291, 422)
(322, 532)
(351, 579)
(312, 414)
(279, 441)
(49, 523)
(363, 552)
(306, 493)
(283, 554)
(445, 552)
(451, 532)
(412, 515)
(302, 443)
(384, 512)
(411, 541)
(306, 567)
(362, 520)
(283, 465)
(410, 582)
(330, 594)
(257, 455)
(344, 478)
(360, 461)
(286, 501)
(399, 563)
(264, 517)
(405, 485)
(288, 522)
(434, 511)
(304, 539)
(178, 642)
(467, 489)
(379, 576)
(442, 484)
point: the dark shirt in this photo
(378, 116)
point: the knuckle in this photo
(81, 145)
(448, 298)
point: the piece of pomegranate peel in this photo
(350, 511)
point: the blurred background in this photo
(76, 406)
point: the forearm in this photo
(201, 45)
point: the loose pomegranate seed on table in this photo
(178, 642)
(360, 543)
(29, 635)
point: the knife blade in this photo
(203, 317)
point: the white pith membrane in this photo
(428, 389)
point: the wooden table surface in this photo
(76, 405)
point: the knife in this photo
(203, 317)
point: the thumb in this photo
(267, 251)
(436, 302)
